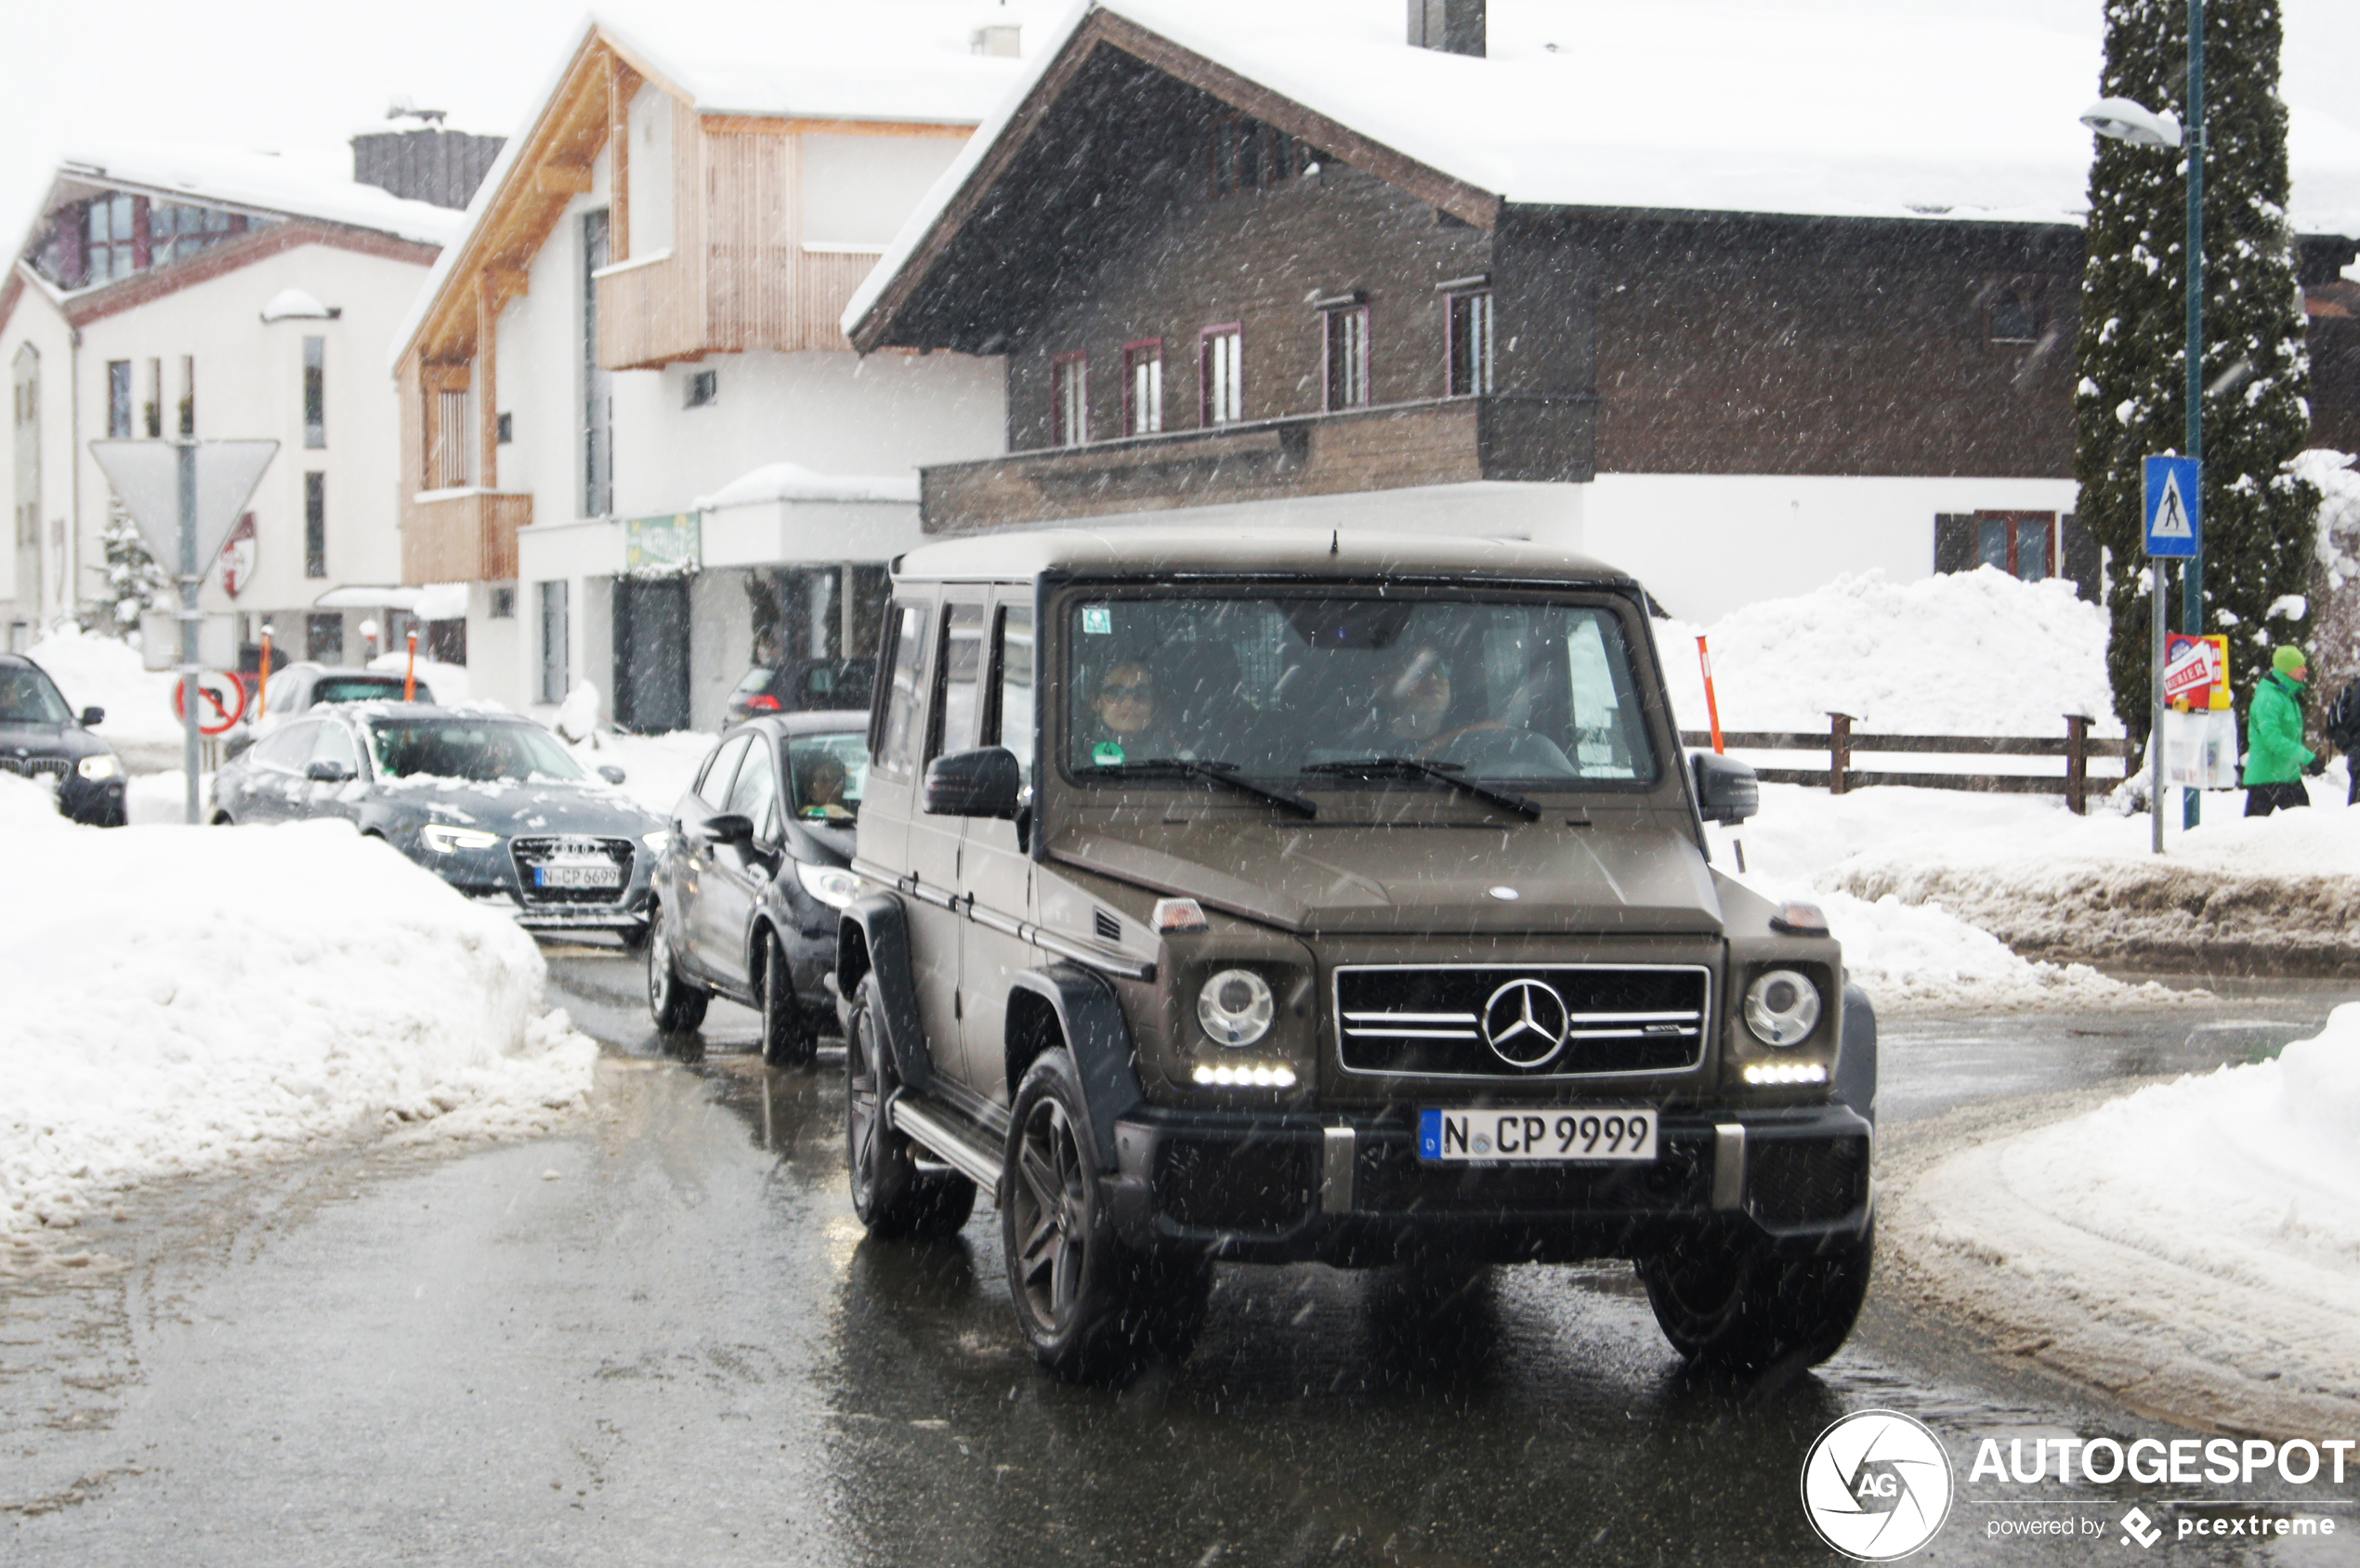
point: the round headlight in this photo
(103, 765)
(1782, 1008)
(1235, 1007)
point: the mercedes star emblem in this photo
(1524, 1023)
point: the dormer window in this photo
(1249, 155)
(110, 251)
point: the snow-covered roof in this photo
(792, 481)
(298, 182)
(1686, 106)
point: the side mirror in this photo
(985, 783)
(730, 827)
(1726, 788)
(239, 744)
(327, 773)
(92, 717)
(611, 773)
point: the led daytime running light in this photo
(1784, 1072)
(1257, 1076)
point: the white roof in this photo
(1692, 105)
(298, 182)
(792, 481)
(910, 61)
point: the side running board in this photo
(962, 1150)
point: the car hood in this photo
(49, 740)
(1626, 871)
(518, 809)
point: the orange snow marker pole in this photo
(410, 680)
(262, 692)
(1711, 705)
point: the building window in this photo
(187, 395)
(177, 231)
(507, 430)
(704, 387)
(315, 525)
(2019, 543)
(1470, 345)
(151, 411)
(324, 639)
(315, 393)
(111, 249)
(1143, 388)
(1347, 366)
(503, 604)
(554, 634)
(1221, 375)
(597, 384)
(1249, 155)
(119, 399)
(1069, 387)
(447, 453)
(2014, 313)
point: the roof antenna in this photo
(1335, 542)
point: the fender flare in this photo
(883, 931)
(1855, 1082)
(1098, 1037)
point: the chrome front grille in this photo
(53, 769)
(532, 854)
(1521, 1021)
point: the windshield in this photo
(1282, 688)
(27, 697)
(828, 774)
(363, 688)
(470, 749)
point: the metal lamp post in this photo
(2126, 121)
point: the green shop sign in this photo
(667, 546)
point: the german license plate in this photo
(1594, 1132)
(608, 875)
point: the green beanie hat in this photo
(2287, 660)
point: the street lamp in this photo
(2124, 119)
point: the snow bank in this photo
(1967, 653)
(101, 671)
(180, 998)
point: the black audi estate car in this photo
(44, 739)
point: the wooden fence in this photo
(1840, 743)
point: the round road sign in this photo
(221, 703)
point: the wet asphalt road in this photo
(661, 1337)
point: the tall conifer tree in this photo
(2132, 348)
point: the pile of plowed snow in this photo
(100, 671)
(183, 998)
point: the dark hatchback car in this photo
(754, 878)
(492, 803)
(803, 686)
(42, 738)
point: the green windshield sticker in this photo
(1098, 622)
(1106, 754)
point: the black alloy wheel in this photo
(892, 1196)
(676, 1006)
(790, 1036)
(1091, 1309)
(1739, 1307)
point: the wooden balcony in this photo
(667, 308)
(1454, 440)
(461, 536)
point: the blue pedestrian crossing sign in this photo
(2174, 507)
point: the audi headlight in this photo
(103, 765)
(657, 840)
(833, 885)
(1236, 1007)
(1782, 1008)
(444, 838)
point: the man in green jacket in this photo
(2275, 756)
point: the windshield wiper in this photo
(1220, 773)
(1448, 772)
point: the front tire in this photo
(1092, 1310)
(890, 1193)
(676, 1006)
(1740, 1307)
(790, 1038)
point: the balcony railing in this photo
(461, 535)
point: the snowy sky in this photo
(311, 73)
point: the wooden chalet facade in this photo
(1210, 295)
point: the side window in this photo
(712, 787)
(290, 749)
(959, 710)
(896, 745)
(755, 794)
(334, 745)
(1013, 712)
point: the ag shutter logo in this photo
(1876, 1486)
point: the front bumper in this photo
(98, 802)
(1353, 1191)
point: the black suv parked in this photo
(42, 738)
(753, 877)
(1264, 897)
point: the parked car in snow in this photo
(1267, 897)
(801, 686)
(754, 875)
(491, 803)
(44, 739)
(303, 685)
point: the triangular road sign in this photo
(2171, 513)
(146, 476)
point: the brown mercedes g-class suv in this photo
(1274, 896)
